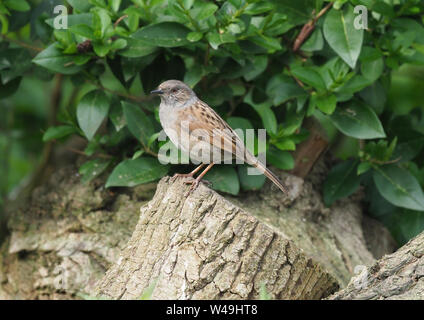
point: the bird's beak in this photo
(158, 91)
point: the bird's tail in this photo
(269, 174)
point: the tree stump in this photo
(204, 247)
(396, 276)
(64, 238)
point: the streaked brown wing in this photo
(215, 130)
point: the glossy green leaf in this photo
(93, 168)
(358, 120)
(54, 60)
(130, 173)
(327, 103)
(309, 76)
(58, 132)
(280, 159)
(224, 178)
(298, 12)
(75, 19)
(265, 112)
(342, 36)
(163, 34)
(138, 123)
(80, 5)
(17, 5)
(92, 111)
(216, 39)
(341, 181)
(250, 182)
(194, 36)
(282, 88)
(137, 49)
(399, 187)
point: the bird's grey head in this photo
(176, 93)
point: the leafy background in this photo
(254, 61)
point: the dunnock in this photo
(192, 125)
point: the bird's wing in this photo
(204, 124)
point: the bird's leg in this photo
(191, 174)
(194, 183)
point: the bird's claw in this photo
(194, 183)
(180, 175)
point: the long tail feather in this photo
(271, 176)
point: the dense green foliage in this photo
(364, 86)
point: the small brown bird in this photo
(192, 125)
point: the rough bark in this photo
(63, 240)
(396, 276)
(68, 234)
(205, 247)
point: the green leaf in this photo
(399, 187)
(17, 5)
(250, 182)
(204, 10)
(224, 178)
(138, 123)
(363, 167)
(259, 64)
(285, 144)
(282, 88)
(327, 103)
(137, 49)
(137, 154)
(315, 42)
(298, 12)
(271, 44)
(82, 30)
(4, 24)
(58, 132)
(406, 224)
(309, 76)
(53, 59)
(91, 111)
(130, 173)
(92, 169)
(114, 4)
(9, 88)
(80, 5)
(75, 19)
(100, 48)
(101, 22)
(193, 75)
(342, 36)
(372, 70)
(341, 181)
(216, 39)
(281, 159)
(265, 112)
(239, 123)
(194, 36)
(163, 34)
(358, 120)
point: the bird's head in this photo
(174, 92)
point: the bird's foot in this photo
(194, 184)
(181, 175)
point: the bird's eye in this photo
(174, 90)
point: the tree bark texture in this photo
(64, 239)
(205, 247)
(396, 276)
